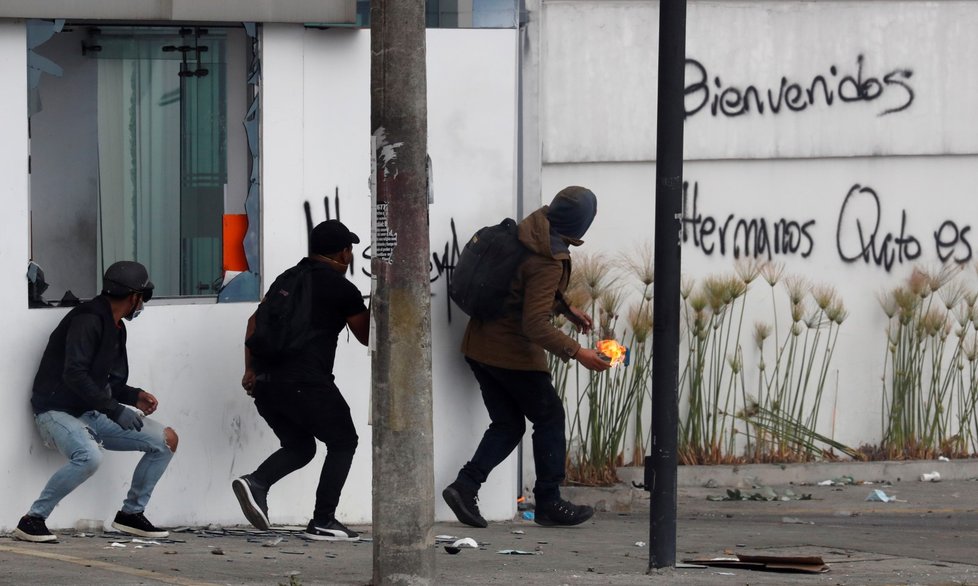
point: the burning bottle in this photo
(615, 352)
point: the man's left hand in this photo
(580, 319)
(146, 403)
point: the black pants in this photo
(300, 416)
(511, 397)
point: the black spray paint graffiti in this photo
(731, 100)
(749, 237)
(441, 266)
(859, 236)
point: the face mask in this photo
(135, 311)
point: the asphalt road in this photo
(929, 536)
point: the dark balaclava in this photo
(571, 213)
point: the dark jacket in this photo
(521, 338)
(84, 366)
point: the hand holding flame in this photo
(615, 352)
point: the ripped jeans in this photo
(81, 439)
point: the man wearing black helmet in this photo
(508, 356)
(80, 400)
(297, 395)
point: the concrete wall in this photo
(897, 166)
(901, 77)
(315, 143)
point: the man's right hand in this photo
(248, 381)
(592, 360)
(129, 420)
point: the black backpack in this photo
(283, 322)
(485, 270)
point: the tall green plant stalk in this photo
(928, 401)
(785, 416)
(601, 407)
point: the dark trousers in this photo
(511, 397)
(299, 416)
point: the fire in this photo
(613, 350)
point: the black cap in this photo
(331, 236)
(125, 277)
(572, 211)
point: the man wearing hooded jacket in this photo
(509, 359)
(80, 400)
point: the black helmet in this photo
(125, 277)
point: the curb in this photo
(624, 495)
(740, 476)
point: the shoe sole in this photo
(546, 522)
(249, 507)
(454, 501)
(140, 532)
(25, 536)
(315, 537)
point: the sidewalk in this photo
(931, 538)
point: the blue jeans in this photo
(511, 397)
(81, 440)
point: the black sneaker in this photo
(33, 529)
(561, 512)
(464, 503)
(138, 524)
(253, 501)
(331, 530)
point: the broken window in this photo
(140, 151)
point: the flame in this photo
(613, 350)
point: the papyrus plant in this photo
(929, 383)
(779, 421)
(603, 407)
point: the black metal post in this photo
(660, 464)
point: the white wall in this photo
(598, 123)
(601, 61)
(930, 190)
(315, 138)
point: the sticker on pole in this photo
(384, 240)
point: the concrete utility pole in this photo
(403, 474)
(660, 465)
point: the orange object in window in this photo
(235, 226)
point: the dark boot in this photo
(464, 503)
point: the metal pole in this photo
(660, 465)
(403, 473)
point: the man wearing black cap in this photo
(509, 358)
(79, 400)
(298, 397)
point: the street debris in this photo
(518, 532)
(930, 476)
(515, 552)
(765, 563)
(795, 521)
(217, 551)
(458, 544)
(766, 493)
(528, 515)
(639, 544)
(840, 481)
(944, 459)
(879, 496)
(273, 542)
